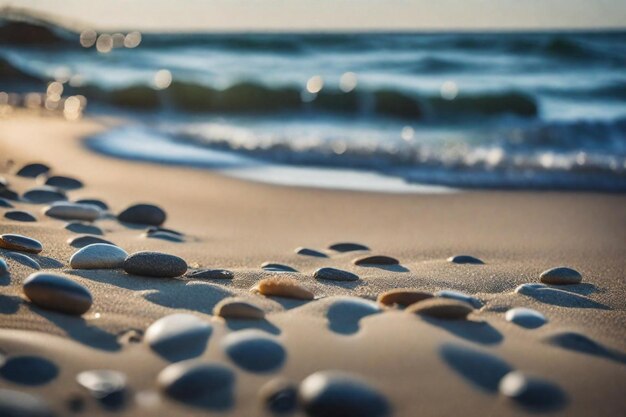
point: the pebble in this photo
(310, 252)
(102, 383)
(143, 214)
(82, 241)
(334, 274)
(24, 260)
(3, 183)
(85, 228)
(4, 268)
(274, 267)
(65, 183)
(56, 292)
(194, 380)
(402, 297)
(9, 194)
(561, 276)
(283, 287)
(530, 391)
(94, 202)
(279, 396)
(33, 170)
(254, 350)
(164, 236)
(376, 260)
(154, 229)
(5, 204)
(465, 259)
(179, 334)
(20, 243)
(238, 309)
(73, 211)
(211, 274)
(347, 247)
(441, 308)
(525, 317)
(21, 404)
(529, 288)
(20, 216)
(155, 264)
(99, 256)
(340, 394)
(44, 194)
(461, 296)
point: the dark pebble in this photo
(561, 276)
(211, 274)
(24, 260)
(347, 247)
(65, 183)
(4, 268)
(94, 202)
(465, 259)
(33, 170)
(334, 274)
(155, 264)
(193, 380)
(461, 296)
(4, 203)
(155, 229)
(279, 396)
(441, 308)
(82, 241)
(9, 194)
(20, 216)
(170, 237)
(143, 214)
(20, 404)
(44, 194)
(178, 336)
(56, 292)
(254, 350)
(376, 260)
(275, 267)
(20, 243)
(88, 229)
(310, 252)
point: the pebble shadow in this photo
(583, 344)
(482, 369)
(29, 370)
(9, 304)
(474, 331)
(563, 298)
(390, 268)
(242, 324)
(197, 296)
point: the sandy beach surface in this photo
(422, 366)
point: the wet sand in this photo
(423, 366)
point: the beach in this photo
(420, 365)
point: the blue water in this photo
(536, 111)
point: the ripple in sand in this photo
(98, 256)
(20, 243)
(29, 370)
(402, 297)
(441, 308)
(73, 211)
(143, 214)
(525, 317)
(94, 202)
(107, 386)
(20, 404)
(561, 276)
(5, 204)
(56, 292)
(63, 182)
(340, 394)
(283, 287)
(155, 264)
(24, 260)
(345, 314)
(83, 228)
(44, 194)
(334, 274)
(276, 267)
(254, 350)
(178, 336)
(82, 241)
(531, 392)
(465, 259)
(20, 216)
(347, 247)
(237, 308)
(461, 296)
(279, 396)
(33, 170)
(211, 274)
(310, 252)
(376, 260)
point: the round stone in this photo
(310, 252)
(465, 259)
(193, 380)
(20, 216)
(102, 383)
(402, 297)
(530, 391)
(236, 308)
(143, 214)
(88, 229)
(171, 237)
(20, 404)
(9, 194)
(155, 229)
(5, 204)
(347, 247)
(94, 202)
(24, 260)
(211, 274)
(56, 292)
(334, 274)
(276, 267)
(461, 296)
(340, 394)
(65, 183)
(279, 396)
(33, 170)
(561, 276)
(82, 241)
(44, 194)
(73, 211)
(529, 288)
(376, 260)
(254, 350)
(525, 317)
(441, 308)
(20, 243)
(155, 264)
(4, 268)
(178, 335)
(99, 256)
(283, 287)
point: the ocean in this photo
(462, 110)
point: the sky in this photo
(319, 15)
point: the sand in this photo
(237, 225)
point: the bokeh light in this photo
(347, 82)
(132, 40)
(162, 79)
(449, 90)
(407, 133)
(104, 44)
(315, 84)
(88, 38)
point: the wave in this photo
(12, 76)
(23, 30)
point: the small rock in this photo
(20, 216)
(9, 194)
(461, 296)
(20, 404)
(82, 241)
(5, 204)
(73, 211)
(238, 309)
(211, 274)
(275, 267)
(340, 394)
(531, 391)
(20, 243)
(98, 256)
(88, 229)
(171, 237)
(334, 274)
(347, 247)
(3, 183)
(155, 229)
(94, 202)
(465, 259)
(283, 287)
(195, 380)
(402, 297)
(56, 292)
(279, 396)
(561, 276)
(155, 264)
(376, 260)
(102, 383)
(143, 214)
(24, 260)
(529, 288)
(65, 183)
(441, 308)
(4, 268)
(525, 317)
(254, 350)
(44, 194)
(310, 252)
(181, 335)
(33, 170)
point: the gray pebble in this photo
(461, 296)
(376, 260)
(88, 229)
(94, 202)
(155, 264)
(73, 211)
(194, 380)
(98, 256)
(143, 214)
(65, 183)
(44, 194)
(21, 404)
(211, 274)
(56, 292)
(525, 317)
(20, 243)
(179, 335)
(531, 391)
(254, 350)
(33, 170)
(276, 267)
(82, 241)
(24, 260)
(20, 216)
(561, 276)
(310, 252)
(4, 268)
(334, 274)
(347, 247)
(102, 383)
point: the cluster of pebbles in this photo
(182, 337)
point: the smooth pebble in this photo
(561, 276)
(143, 214)
(20, 216)
(44, 194)
(82, 241)
(525, 317)
(102, 383)
(347, 247)
(279, 396)
(238, 309)
(21, 404)
(24, 260)
(4, 268)
(276, 267)
(310, 252)
(194, 380)
(155, 264)
(57, 292)
(531, 391)
(179, 335)
(465, 259)
(5, 204)
(402, 297)
(461, 296)
(441, 308)
(33, 170)
(254, 350)
(65, 183)
(283, 287)
(376, 260)
(83, 228)
(211, 274)
(20, 243)
(98, 256)
(94, 202)
(73, 211)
